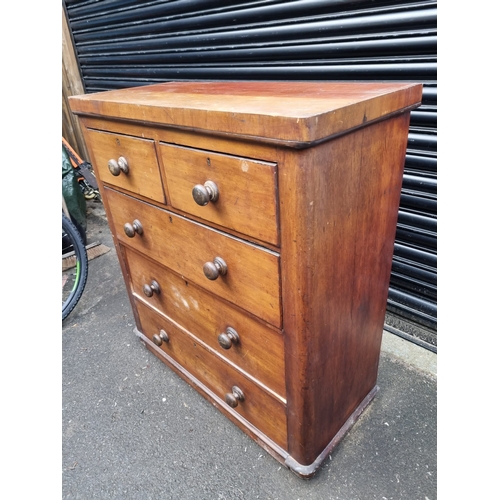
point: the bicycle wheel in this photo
(74, 266)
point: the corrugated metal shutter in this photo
(124, 43)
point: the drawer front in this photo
(248, 344)
(252, 277)
(262, 410)
(246, 189)
(143, 176)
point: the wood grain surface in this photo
(259, 408)
(252, 279)
(143, 177)
(337, 245)
(247, 189)
(302, 112)
(260, 350)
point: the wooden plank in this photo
(71, 85)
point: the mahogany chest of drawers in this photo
(254, 223)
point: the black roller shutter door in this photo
(124, 43)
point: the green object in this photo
(72, 194)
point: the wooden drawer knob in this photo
(158, 339)
(149, 290)
(234, 397)
(132, 229)
(117, 167)
(213, 270)
(203, 194)
(228, 338)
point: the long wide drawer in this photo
(261, 409)
(254, 348)
(251, 279)
(133, 161)
(234, 192)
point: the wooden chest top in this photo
(297, 114)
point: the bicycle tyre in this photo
(76, 279)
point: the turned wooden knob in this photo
(117, 167)
(234, 397)
(132, 229)
(203, 194)
(228, 338)
(149, 290)
(213, 270)
(158, 339)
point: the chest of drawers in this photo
(254, 223)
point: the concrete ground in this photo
(132, 429)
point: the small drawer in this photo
(237, 193)
(128, 163)
(261, 409)
(244, 274)
(248, 344)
